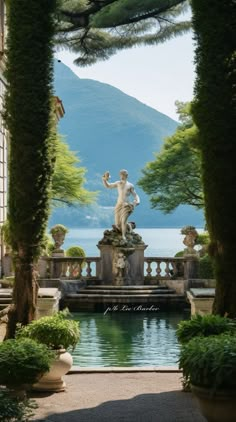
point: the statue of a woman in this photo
(123, 206)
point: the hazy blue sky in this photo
(157, 76)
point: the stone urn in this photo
(190, 239)
(58, 233)
(53, 380)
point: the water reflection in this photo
(127, 339)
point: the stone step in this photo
(125, 291)
(5, 300)
(73, 301)
(111, 287)
(121, 296)
(3, 305)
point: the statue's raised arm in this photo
(105, 179)
(123, 206)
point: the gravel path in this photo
(119, 397)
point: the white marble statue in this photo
(123, 206)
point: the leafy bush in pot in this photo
(204, 325)
(75, 251)
(23, 361)
(15, 410)
(210, 362)
(56, 331)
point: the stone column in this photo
(133, 274)
(43, 267)
(191, 266)
(56, 267)
(136, 261)
(106, 252)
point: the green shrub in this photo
(23, 361)
(5, 232)
(7, 281)
(75, 251)
(15, 410)
(47, 245)
(50, 248)
(210, 361)
(179, 254)
(205, 267)
(203, 239)
(56, 331)
(58, 228)
(204, 326)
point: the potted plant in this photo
(209, 364)
(58, 333)
(23, 362)
(204, 326)
(58, 233)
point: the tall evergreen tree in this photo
(215, 115)
(28, 104)
(98, 29)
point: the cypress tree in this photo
(215, 115)
(28, 104)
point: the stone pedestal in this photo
(121, 264)
(201, 300)
(191, 266)
(56, 267)
(48, 302)
(106, 253)
(136, 261)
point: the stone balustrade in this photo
(68, 268)
(89, 268)
(157, 268)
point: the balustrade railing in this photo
(157, 268)
(89, 268)
(68, 268)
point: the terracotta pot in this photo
(52, 380)
(220, 407)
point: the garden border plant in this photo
(56, 331)
(23, 361)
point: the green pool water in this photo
(127, 339)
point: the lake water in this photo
(127, 339)
(161, 242)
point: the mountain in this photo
(112, 130)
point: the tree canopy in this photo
(97, 29)
(174, 177)
(69, 178)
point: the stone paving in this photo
(119, 397)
